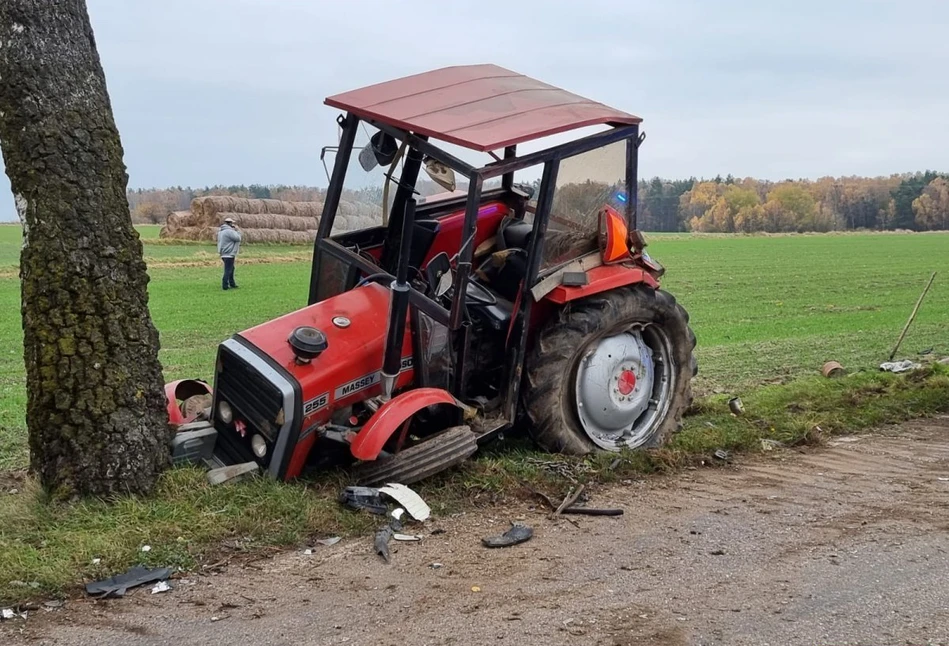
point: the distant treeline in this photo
(915, 201)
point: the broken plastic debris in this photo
(381, 542)
(722, 454)
(406, 537)
(7, 614)
(899, 366)
(307, 552)
(96, 561)
(476, 588)
(397, 513)
(116, 586)
(770, 445)
(329, 541)
(412, 502)
(363, 498)
(435, 566)
(517, 534)
(146, 548)
(161, 586)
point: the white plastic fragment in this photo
(899, 366)
(96, 561)
(412, 502)
(161, 586)
(406, 537)
(397, 513)
(329, 541)
(7, 614)
(146, 548)
(307, 552)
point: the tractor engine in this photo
(276, 385)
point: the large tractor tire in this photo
(610, 372)
(433, 455)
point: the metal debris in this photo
(412, 502)
(722, 454)
(381, 542)
(517, 534)
(735, 406)
(231, 472)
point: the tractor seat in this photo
(515, 234)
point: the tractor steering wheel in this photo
(479, 294)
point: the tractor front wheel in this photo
(432, 455)
(612, 371)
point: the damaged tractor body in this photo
(429, 334)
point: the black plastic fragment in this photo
(117, 585)
(367, 498)
(517, 534)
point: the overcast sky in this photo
(231, 91)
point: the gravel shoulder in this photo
(845, 544)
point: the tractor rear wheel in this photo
(432, 455)
(611, 371)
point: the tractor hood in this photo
(353, 326)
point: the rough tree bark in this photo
(95, 404)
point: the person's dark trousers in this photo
(228, 280)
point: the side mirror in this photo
(438, 273)
(380, 151)
(440, 174)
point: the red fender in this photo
(178, 391)
(601, 279)
(376, 432)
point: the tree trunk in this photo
(95, 403)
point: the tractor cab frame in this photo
(410, 226)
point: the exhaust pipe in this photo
(398, 306)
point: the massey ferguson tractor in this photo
(520, 296)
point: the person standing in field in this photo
(228, 246)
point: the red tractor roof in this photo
(482, 107)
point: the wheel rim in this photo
(622, 386)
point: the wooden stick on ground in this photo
(912, 316)
(569, 500)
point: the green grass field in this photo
(764, 309)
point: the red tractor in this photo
(498, 303)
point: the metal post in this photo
(632, 180)
(507, 180)
(535, 252)
(333, 192)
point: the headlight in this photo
(259, 445)
(224, 412)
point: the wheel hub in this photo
(626, 382)
(614, 387)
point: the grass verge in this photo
(49, 549)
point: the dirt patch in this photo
(842, 545)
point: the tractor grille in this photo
(254, 399)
